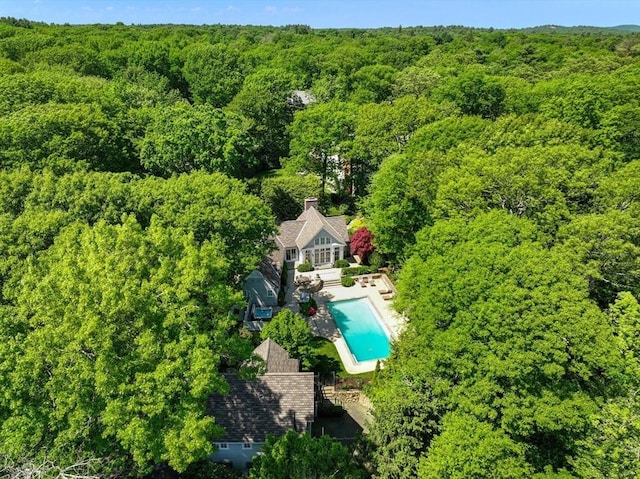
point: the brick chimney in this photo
(309, 202)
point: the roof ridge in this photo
(326, 221)
(266, 359)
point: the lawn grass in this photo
(330, 360)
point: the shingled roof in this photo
(271, 404)
(276, 359)
(301, 231)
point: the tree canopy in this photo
(143, 168)
(300, 455)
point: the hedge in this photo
(357, 270)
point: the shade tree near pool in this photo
(291, 331)
(361, 243)
(502, 329)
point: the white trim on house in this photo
(312, 237)
(237, 454)
(290, 254)
(322, 250)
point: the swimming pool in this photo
(360, 328)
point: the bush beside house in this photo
(341, 263)
(305, 267)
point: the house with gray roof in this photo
(262, 286)
(312, 237)
(281, 399)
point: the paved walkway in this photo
(360, 414)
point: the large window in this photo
(322, 256)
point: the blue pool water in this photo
(360, 328)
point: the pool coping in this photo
(377, 318)
(322, 322)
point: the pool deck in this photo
(322, 323)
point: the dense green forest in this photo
(143, 170)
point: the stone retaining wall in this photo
(353, 397)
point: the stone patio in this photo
(322, 323)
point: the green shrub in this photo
(282, 297)
(357, 270)
(355, 225)
(347, 281)
(306, 307)
(305, 267)
(341, 263)
(376, 260)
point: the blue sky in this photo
(332, 13)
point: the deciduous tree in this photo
(321, 137)
(266, 99)
(361, 243)
(292, 332)
(502, 329)
(303, 457)
(182, 138)
(214, 73)
(115, 345)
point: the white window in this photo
(246, 445)
(223, 445)
(323, 240)
(291, 254)
(322, 256)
